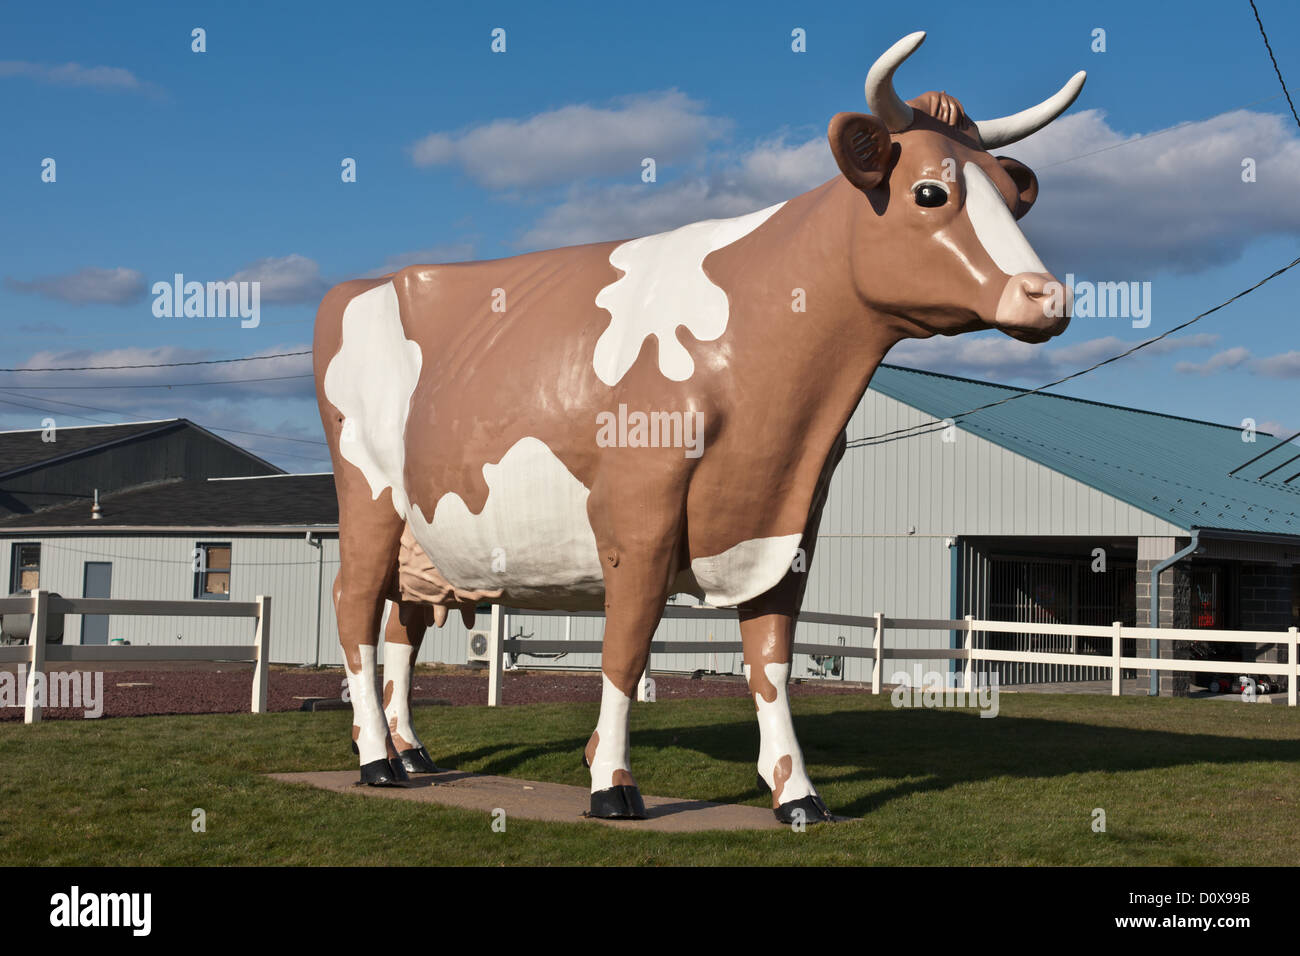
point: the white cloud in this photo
(1172, 201)
(1286, 365)
(287, 279)
(89, 286)
(1227, 359)
(74, 74)
(771, 172)
(574, 142)
(1277, 429)
(995, 357)
(975, 356)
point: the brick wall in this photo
(1175, 611)
(1266, 596)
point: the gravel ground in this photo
(218, 689)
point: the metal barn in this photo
(1042, 508)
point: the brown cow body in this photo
(501, 482)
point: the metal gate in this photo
(1042, 590)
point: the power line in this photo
(60, 336)
(1268, 46)
(49, 411)
(100, 368)
(1159, 132)
(222, 381)
(236, 431)
(943, 422)
(311, 562)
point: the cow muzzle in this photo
(1034, 307)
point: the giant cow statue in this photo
(468, 409)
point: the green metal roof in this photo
(1178, 469)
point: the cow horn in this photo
(1008, 129)
(881, 98)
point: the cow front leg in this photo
(407, 623)
(768, 639)
(638, 569)
(630, 621)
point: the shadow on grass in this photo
(923, 750)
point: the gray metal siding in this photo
(883, 547)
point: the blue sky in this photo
(227, 164)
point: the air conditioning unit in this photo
(16, 628)
(476, 646)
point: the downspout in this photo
(1154, 618)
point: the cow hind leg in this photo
(368, 543)
(407, 623)
(768, 639)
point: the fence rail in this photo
(36, 654)
(969, 654)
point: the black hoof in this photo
(809, 808)
(383, 773)
(618, 803)
(417, 760)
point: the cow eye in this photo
(929, 194)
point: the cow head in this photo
(935, 241)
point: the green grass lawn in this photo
(1181, 782)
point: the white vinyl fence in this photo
(36, 654)
(879, 651)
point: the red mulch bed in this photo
(226, 689)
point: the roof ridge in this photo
(1068, 398)
(74, 428)
(1171, 482)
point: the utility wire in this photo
(220, 381)
(1268, 46)
(111, 411)
(100, 368)
(942, 422)
(1159, 132)
(255, 358)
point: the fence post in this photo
(1294, 677)
(878, 642)
(36, 641)
(261, 667)
(970, 647)
(1116, 642)
(495, 637)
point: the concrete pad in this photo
(535, 800)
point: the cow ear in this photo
(861, 145)
(1026, 184)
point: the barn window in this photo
(26, 568)
(212, 571)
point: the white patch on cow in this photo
(397, 668)
(743, 571)
(612, 742)
(995, 227)
(535, 514)
(363, 688)
(371, 381)
(663, 286)
(776, 737)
